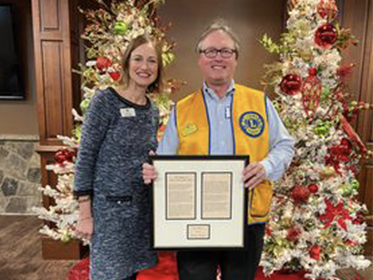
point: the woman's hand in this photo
(149, 173)
(84, 228)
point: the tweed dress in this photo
(117, 136)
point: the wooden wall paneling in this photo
(358, 16)
(365, 119)
(53, 68)
(55, 44)
(355, 17)
(77, 49)
(361, 84)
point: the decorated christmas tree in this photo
(317, 221)
(109, 30)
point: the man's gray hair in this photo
(217, 25)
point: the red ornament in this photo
(293, 234)
(63, 155)
(291, 84)
(311, 92)
(59, 156)
(327, 9)
(115, 75)
(300, 194)
(313, 188)
(315, 251)
(69, 156)
(102, 63)
(326, 35)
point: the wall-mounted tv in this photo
(11, 82)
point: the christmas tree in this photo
(109, 30)
(317, 221)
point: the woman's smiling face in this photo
(143, 68)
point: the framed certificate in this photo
(199, 202)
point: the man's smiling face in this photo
(218, 70)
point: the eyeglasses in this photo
(224, 53)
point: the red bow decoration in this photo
(353, 135)
(339, 154)
(335, 213)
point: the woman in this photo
(118, 133)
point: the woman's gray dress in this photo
(116, 139)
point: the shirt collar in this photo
(211, 93)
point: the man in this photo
(224, 118)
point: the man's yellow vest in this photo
(250, 137)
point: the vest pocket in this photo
(261, 198)
(120, 206)
(119, 199)
(195, 143)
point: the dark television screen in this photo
(11, 86)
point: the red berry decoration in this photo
(327, 9)
(300, 194)
(326, 35)
(291, 84)
(313, 188)
(102, 63)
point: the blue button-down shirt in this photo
(281, 144)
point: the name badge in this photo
(189, 129)
(127, 112)
(227, 112)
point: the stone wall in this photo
(20, 175)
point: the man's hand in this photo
(253, 175)
(149, 173)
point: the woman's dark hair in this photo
(157, 85)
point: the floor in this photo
(20, 254)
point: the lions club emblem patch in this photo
(252, 124)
